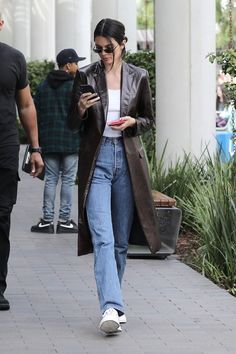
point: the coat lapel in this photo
(126, 88)
(101, 87)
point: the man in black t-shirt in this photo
(14, 91)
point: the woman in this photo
(113, 178)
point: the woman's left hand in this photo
(129, 122)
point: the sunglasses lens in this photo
(109, 50)
(97, 50)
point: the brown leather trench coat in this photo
(135, 102)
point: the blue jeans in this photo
(110, 208)
(57, 164)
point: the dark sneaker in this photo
(46, 227)
(4, 303)
(67, 227)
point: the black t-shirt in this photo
(13, 77)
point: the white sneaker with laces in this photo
(122, 319)
(110, 322)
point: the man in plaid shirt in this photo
(59, 144)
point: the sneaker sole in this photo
(4, 307)
(122, 319)
(43, 231)
(118, 331)
(67, 231)
(109, 327)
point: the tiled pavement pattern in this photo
(171, 309)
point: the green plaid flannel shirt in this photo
(52, 107)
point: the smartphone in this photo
(117, 122)
(86, 88)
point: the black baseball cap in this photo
(68, 56)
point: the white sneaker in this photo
(119, 329)
(122, 319)
(110, 322)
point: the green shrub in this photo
(37, 72)
(213, 211)
(178, 179)
(205, 190)
(146, 60)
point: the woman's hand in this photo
(129, 122)
(87, 100)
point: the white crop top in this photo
(113, 113)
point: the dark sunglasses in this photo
(108, 49)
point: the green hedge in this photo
(37, 72)
(146, 60)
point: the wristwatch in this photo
(35, 149)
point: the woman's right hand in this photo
(86, 101)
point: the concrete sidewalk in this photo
(171, 309)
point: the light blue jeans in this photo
(56, 165)
(110, 208)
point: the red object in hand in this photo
(117, 122)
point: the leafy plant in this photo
(230, 91)
(146, 60)
(212, 217)
(37, 72)
(227, 60)
(205, 190)
(178, 179)
(213, 212)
